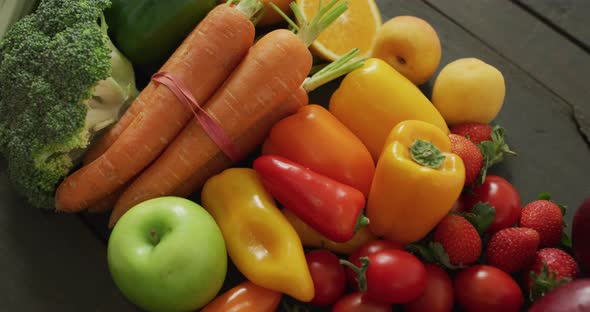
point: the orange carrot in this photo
(107, 203)
(296, 100)
(203, 62)
(113, 133)
(246, 106)
(250, 102)
(103, 144)
(195, 182)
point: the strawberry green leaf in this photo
(422, 251)
(481, 216)
(493, 151)
(544, 282)
(488, 150)
(547, 196)
(566, 241)
(442, 257)
(483, 172)
(498, 134)
(544, 196)
(563, 208)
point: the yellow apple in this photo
(411, 46)
(469, 90)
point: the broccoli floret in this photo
(62, 81)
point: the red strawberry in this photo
(489, 140)
(545, 217)
(551, 268)
(477, 132)
(471, 155)
(459, 239)
(512, 249)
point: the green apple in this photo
(168, 254)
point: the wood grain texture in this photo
(569, 15)
(51, 262)
(548, 57)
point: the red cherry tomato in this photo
(366, 250)
(359, 302)
(501, 195)
(438, 296)
(484, 288)
(394, 277)
(329, 279)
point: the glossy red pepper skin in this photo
(330, 207)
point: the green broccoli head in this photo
(61, 82)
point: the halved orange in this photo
(355, 28)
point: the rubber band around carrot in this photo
(209, 124)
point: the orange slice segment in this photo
(355, 28)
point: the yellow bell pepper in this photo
(259, 239)
(374, 98)
(311, 238)
(416, 183)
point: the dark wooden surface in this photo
(58, 263)
(51, 262)
(568, 16)
(530, 44)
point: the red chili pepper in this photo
(332, 208)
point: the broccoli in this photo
(62, 81)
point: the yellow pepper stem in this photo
(426, 154)
(361, 272)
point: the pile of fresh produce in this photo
(376, 201)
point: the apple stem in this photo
(155, 237)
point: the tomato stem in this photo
(361, 272)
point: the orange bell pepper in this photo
(416, 183)
(316, 139)
(246, 297)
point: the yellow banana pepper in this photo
(259, 239)
(416, 183)
(311, 238)
(374, 98)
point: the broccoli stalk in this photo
(62, 82)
